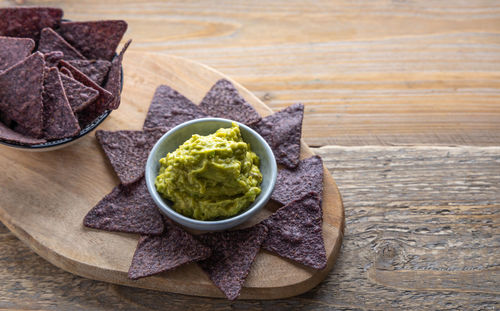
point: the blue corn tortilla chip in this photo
(96, 70)
(126, 209)
(170, 108)
(8, 135)
(95, 39)
(52, 58)
(233, 253)
(98, 106)
(14, 50)
(224, 101)
(51, 41)
(282, 131)
(27, 22)
(58, 118)
(128, 151)
(79, 96)
(114, 82)
(292, 184)
(65, 71)
(295, 232)
(21, 89)
(173, 248)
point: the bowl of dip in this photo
(211, 174)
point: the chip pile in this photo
(294, 231)
(56, 77)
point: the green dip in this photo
(211, 177)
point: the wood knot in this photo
(389, 255)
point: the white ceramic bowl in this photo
(171, 140)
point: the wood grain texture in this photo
(415, 239)
(59, 188)
(369, 72)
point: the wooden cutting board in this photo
(44, 197)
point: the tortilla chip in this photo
(155, 254)
(128, 151)
(126, 209)
(51, 41)
(95, 39)
(21, 89)
(97, 107)
(170, 108)
(233, 253)
(282, 131)
(58, 118)
(65, 71)
(114, 82)
(224, 101)
(295, 232)
(292, 184)
(14, 50)
(52, 58)
(79, 96)
(96, 70)
(27, 22)
(10, 136)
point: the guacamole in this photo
(211, 177)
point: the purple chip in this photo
(295, 232)
(128, 151)
(52, 58)
(65, 71)
(79, 96)
(10, 136)
(173, 248)
(292, 184)
(58, 118)
(98, 106)
(21, 95)
(14, 50)
(126, 209)
(95, 39)
(51, 41)
(170, 108)
(94, 69)
(28, 22)
(282, 131)
(233, 253)
(224, 101)
(114, 82)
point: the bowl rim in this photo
(213, 225)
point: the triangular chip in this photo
(224, 101)
(282, 131)
(233, 253)
(58, 118)
(51, 41)
(114, 82)
(97, 107)
(126, 209)
(173, 248)
(28, 22)
(8, 135)
(295, 232)
(52, 58)
(21, 95)
(94, 69)
(95, 39)
(128, 151)
(14, 50)
(79, 96)
(292, 184)
(170, 108)
(65, 71)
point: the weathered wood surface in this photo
(370, 72)
(422, 232)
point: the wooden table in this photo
(403, 104)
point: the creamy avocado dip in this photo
(211, 177)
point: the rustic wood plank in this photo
(422, 227)
(370, 72)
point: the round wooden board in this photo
(44, 197)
